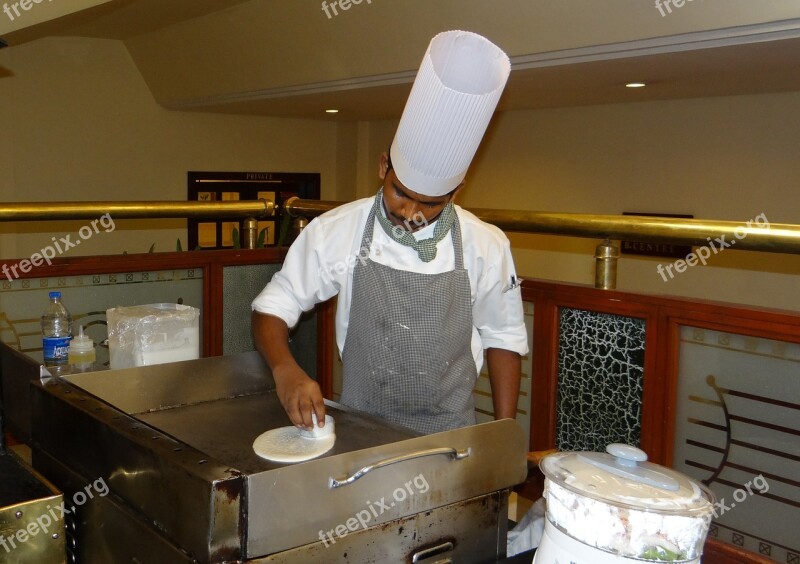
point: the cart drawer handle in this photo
(433, 552)
(451, 452)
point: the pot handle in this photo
(624, 460)
(453, 453)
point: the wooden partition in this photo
(710, 389)
(210, 263)
(714, 391)
(212, 280)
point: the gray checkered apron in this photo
(407, 356)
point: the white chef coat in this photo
(320, 264)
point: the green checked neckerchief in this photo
(426, 248)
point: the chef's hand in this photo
(299, 395)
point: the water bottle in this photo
(56, 331)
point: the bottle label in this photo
(55, 349)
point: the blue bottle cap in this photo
(55, 295)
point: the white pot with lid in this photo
(617, 507)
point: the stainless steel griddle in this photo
(174, 444)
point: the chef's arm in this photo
(505, 371)
(298, 393)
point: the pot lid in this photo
(622, 476)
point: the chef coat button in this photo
(377, 252)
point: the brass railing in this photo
(775, 238)
(51, 211)
(778, 238)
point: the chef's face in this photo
(408, 209)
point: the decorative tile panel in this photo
(737, 429)
(600, 374)
(241, 285)
(484, 408)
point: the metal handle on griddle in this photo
(449, 451)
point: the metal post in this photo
(605, 274)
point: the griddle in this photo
(174, 443)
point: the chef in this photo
(424, 287)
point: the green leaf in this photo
(262, 237)
(660, 554)
(235, 236)
(152, 248)
(178, 246)
(286, 222)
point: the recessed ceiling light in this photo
(635, 85)
(331, 111)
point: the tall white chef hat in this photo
(453, 98)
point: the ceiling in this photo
(122, 19)
(760, 66)
(755, 68)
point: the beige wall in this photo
(717, 158)
(79, 123)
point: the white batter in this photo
(290, 444)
